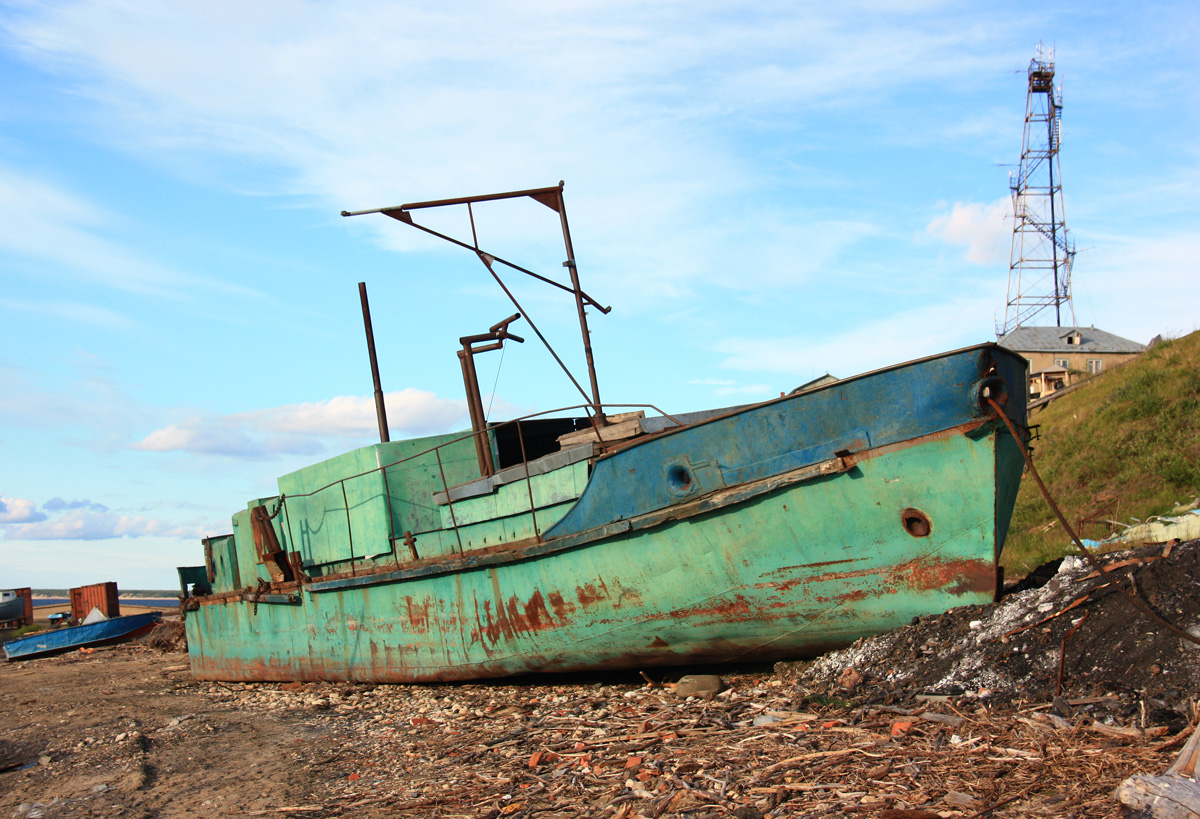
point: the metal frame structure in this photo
(1039, 271)
(493, 339)
(552, 198)
(500, 334)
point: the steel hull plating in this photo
(790, 562)
(105, 632)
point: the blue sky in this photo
(763, 193)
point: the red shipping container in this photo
(27, 617)
(101, 596)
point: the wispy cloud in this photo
(92, 400)
(71, 312)
(334, 102)
(870, 345)
(63, 235)
(304, 429)
(984, 229)
(1147, 283)
(748, 390)
(60, 505)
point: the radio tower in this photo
(1039, 269)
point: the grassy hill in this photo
(1124, 445)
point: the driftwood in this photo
(1174, 795)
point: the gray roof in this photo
(1053, 340)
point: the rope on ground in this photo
(1134, 600)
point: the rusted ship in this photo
(603, 539)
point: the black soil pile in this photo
(1079, 627)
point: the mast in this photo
(552, 198)
(597, 406)
(380, 408)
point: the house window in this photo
(1094, 366)
(1063, 362)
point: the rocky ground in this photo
(1072, 632)
(955, 716)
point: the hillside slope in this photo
(1124, 445)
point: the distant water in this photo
(149, 602)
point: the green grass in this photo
(1124, 445)
(24, 631)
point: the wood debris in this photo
(628, 749)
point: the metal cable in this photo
(1134, 600)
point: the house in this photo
(819, 381)
(1059, 356)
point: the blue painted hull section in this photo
(106, 632)
(865, 412)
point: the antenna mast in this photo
(1039, 269)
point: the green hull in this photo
(786, 566)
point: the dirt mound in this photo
(1077, 635)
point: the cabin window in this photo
(1062, 362)
(1094, 366)
(539, 435)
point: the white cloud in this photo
(19, 510)
(985, 230)
(81, 520)
(82, 524)
(303, 429)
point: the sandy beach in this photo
(873, 731)
(126, 732)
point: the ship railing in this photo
(406, 536)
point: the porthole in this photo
(679, 478)
(915, 522)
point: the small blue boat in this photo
(106, 632)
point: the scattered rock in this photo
(706, 686)
(849, 679)
(1017, 647)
